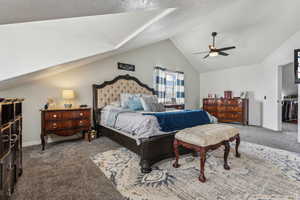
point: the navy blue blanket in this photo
(178, 120)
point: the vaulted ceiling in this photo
(255, 27)
(33, 46)
(37, 36)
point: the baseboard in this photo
(31, 143)
(51, 140)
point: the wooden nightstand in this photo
(64, 122)
(175, 106)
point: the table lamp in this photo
(68, 95)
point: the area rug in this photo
(262, 173)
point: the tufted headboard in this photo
(110, 91)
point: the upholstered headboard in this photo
(110, 91)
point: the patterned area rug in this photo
(262, 173)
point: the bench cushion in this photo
(206, 135)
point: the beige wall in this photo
(81, 79)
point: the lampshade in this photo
(68, 94)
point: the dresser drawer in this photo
(228, 115)
(234, 108)
(234, 102)
(53, 115)
(57, 125)
(221, 108)
(81, 123)
(76, 114)
(83, 114)
(210, 108)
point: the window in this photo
(169, 85)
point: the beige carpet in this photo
(262, 173)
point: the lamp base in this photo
(68, 105)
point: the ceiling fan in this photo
(213, 51)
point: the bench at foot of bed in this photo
(205, 138)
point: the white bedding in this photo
(135, 124)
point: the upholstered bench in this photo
(204, 138)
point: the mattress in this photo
(130, 123)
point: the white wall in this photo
(288, 82)
(81, 79)
(261, 79)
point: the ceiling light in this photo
(213, 54)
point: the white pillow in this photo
(158, 107)
(153, 97)
(115, 103)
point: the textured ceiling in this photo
(16, 11)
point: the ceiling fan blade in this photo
(225, 48)
(201, 52)
(223, 53)
(206, 56)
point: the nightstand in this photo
(64, 122)
(175, 106)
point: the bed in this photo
(152, 149)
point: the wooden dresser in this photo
(227, 110)
(64, 122)
(10, 145)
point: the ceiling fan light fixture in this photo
(213, 54)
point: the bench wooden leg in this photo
(175, 147)
(237, 144)
(202, 164)
(226, 153)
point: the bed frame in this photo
(151, 150)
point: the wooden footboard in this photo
(151, 150)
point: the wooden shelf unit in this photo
(10, 145)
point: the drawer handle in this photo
(54, 116)
(81, 114)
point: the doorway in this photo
(288, 94)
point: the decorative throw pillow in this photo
(134, 103)
(125, 97)
(148, 102)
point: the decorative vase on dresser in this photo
(10, 145)
(64, 122)
(227, 110)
